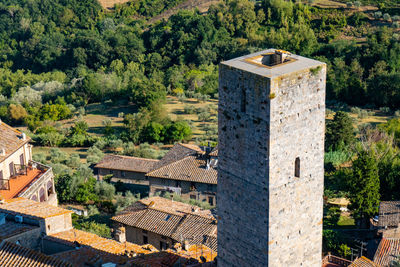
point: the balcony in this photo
(23, 182)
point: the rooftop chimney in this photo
(276, 58)
(23, 136)
(2, 152)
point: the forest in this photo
(59, 57)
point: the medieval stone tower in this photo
(271, 153)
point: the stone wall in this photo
(56, 224)
(202, 192)
(135, 236)
(267, 216)
(125, 176)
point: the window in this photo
(144, 231)
(11, 166)
(243, 101)
(211, 201)
(192, 186)
(145, 239)
(123, 174)
(21, 159)
(1, 175)
(178, 183)
(297, 167)
(163, 245)
(193, 197)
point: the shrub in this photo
(57, 155)
(386, 16)
(378, 14)
(94, 155)
(39, 157)
(189, 109)
(73, 161)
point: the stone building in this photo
(389, 219)
(163, 223)
(19, 175)
(271, 155)
(131, 171)
(186, 170)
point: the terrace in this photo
(25, 180)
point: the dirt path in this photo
(202, 5)
(109, 4)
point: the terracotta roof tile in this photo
(12, 255)
(10, 140)
(388, 250)
(125, 163)
(363, 262)
(389, 214)
(86, 256)
(27, 207)
(214, 152)
(172, 219)
(190, 168)
(96, 242)
(178, 152)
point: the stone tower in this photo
(271, 156)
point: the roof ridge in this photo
(174, 162)
(12, 128)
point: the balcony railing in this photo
(36, 183)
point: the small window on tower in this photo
(243, 101)
(297, 167)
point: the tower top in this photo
(272, 63)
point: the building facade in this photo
(19, 175)
(163, 223)
(271, 153)
(192, 176)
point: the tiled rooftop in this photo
(171, 257)
(11, 228)
(10, 140)
(389, 214)
(86, 256)
(363, 262)
(31, 208)
(178, 152)
(12, 255)
(190, 168)
(173, 219)
(20, 183)
(125, 163)
(98, 243)
(388, 250)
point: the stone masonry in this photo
(271, 153)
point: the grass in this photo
(346, 221)
(81, 151)
(175, 109)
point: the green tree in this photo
(339, 131)
(178, 131)
(364, 187)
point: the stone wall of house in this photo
(124, 176)
(135, 235)
(29, 239)
(56, 224)
(267, 216)
(202, 192)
